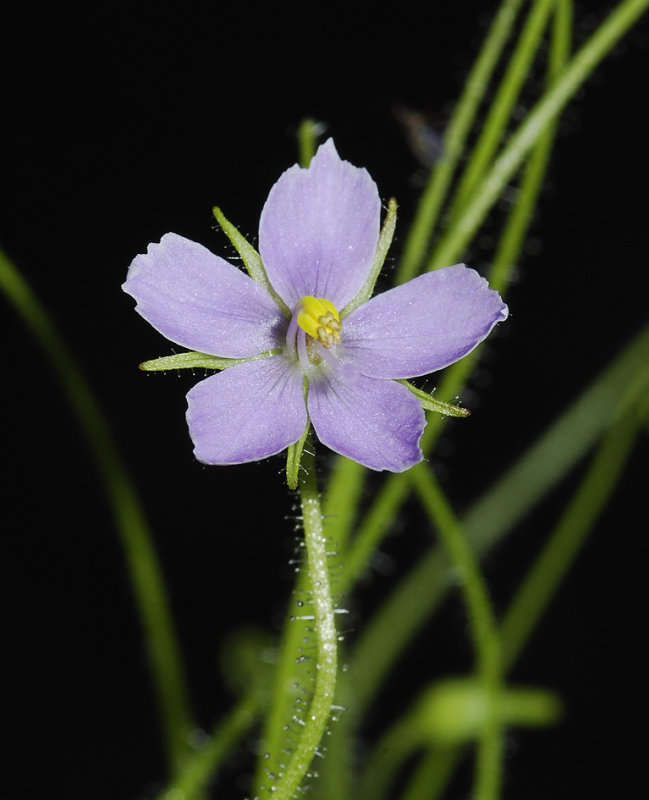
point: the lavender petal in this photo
(247, 412)
(377, 423)
(198, 300)
(319, 229)
(423, 325)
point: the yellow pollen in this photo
(320, 319)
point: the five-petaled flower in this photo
(336, 368)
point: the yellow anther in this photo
(320, 319)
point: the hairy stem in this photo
(313, 726)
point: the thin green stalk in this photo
(484, 630)
(317, 717)
(145, 572)
(370, 532)
(501, 107)
(520, 217)
(568, 537)
(544, 112)
(387, 758)
(432, 773)
(201, 767)
(307, 140)
(344, 490)
(423, 225)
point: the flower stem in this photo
(201, 767)
(566, 540)
(313, 726)
(484, 630)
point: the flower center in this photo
(319, 319)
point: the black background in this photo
(121, 126)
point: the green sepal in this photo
(429, 403)
(294, 451)
(454, 711)
(193, 359)
(250, 257)
(382, 247)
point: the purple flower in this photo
(334, 362)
